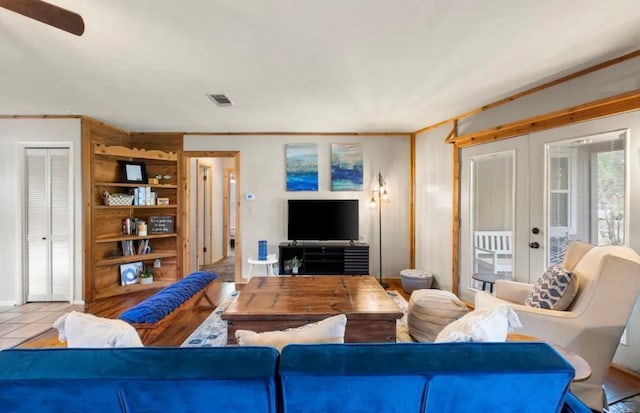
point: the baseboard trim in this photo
(7, 303)
(78, 302)
(625, 370)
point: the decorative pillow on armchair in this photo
(555, 290)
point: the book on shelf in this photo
(130, 226)
(144, 247)
(142, 195)
(127, 248)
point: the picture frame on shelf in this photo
(163, 201)
(133, 172)
(129, 273)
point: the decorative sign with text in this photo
(162, 224)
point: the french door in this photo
(524, 199)
(48, 263)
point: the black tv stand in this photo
(326, 258)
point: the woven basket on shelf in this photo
(117, 199)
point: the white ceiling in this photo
(300, 65)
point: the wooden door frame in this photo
(200, 197)
(186, 212)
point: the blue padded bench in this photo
(150, 316)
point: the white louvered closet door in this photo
(48, 224)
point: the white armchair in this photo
(609, 284)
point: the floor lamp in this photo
(383, 196)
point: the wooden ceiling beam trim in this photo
(453, 134)
(563, 79)
(435, 125)
(41, 116)
(609, 106)
(551, 83)
(212, 154)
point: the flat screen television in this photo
(323, 219)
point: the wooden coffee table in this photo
(277, 303)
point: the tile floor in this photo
(19, 323)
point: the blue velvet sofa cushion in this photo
(225, 379)
(414, 377)
(159, 305)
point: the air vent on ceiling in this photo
(220, 99)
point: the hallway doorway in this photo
(211, 209)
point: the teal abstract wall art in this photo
(302, 166)
(346, 167)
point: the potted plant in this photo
(295, 264)
(146, 277)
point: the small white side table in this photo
(268, 263)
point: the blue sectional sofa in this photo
(451, 377)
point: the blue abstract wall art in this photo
(346, 167)
(302, 167)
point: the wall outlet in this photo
(362, 238)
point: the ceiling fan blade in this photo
(47, 13)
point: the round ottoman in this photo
(415, 280)
(430, 311)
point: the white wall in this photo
(14, 134)
(434, 180)
(263, 173)
(614, 80)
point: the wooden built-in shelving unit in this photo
(104, 237)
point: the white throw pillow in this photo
(87, 330)
(329, 330)
(482, 325)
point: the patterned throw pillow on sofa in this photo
(555, 290)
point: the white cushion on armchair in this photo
(513, 291)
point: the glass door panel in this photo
(492, 212)
(585, 192)
(494, 217)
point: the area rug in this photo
(213, 330)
